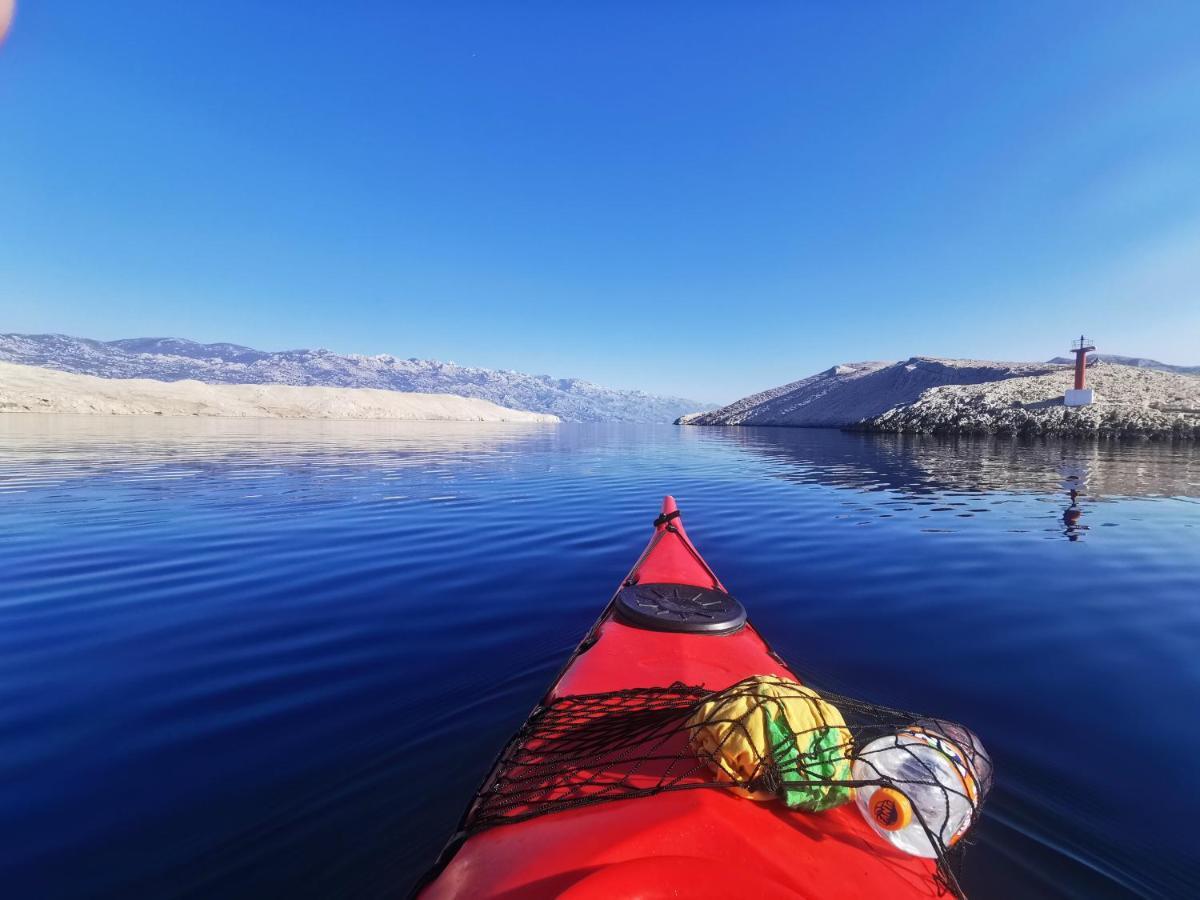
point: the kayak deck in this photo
(694, 843)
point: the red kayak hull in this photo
(692, 843)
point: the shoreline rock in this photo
(923, 395)
(1130, 402)
(178, 359)
(34, 390)
(844, 395)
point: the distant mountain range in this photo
(1137, 361)
(175, 359)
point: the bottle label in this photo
(961, 766)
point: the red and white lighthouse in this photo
(1081, 395)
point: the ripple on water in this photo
(226, 646)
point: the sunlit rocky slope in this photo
(175, 359)
(850, 393)
(1140, 362)
(1129, 401)
(31, 389)
(926, 395)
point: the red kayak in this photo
(672, 623)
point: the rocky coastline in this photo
(926, 395)
(34, 390)
(1130, 402)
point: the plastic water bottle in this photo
(934, 776)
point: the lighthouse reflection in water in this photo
(1074, 472)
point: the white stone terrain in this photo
(923, 395)
(176, 359)
(1130, 401)
(848, 394)
(1140, 362)
(31, 389)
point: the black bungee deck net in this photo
(766, 738)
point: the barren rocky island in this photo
(926, 395)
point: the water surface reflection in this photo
(263, 658)
(917, 464)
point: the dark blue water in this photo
(246, 659)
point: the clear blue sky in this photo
(699, 198)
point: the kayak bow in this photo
(672, 622)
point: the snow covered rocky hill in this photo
(176, 359)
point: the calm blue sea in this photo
(266, 659)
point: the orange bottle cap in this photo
(890, 809)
